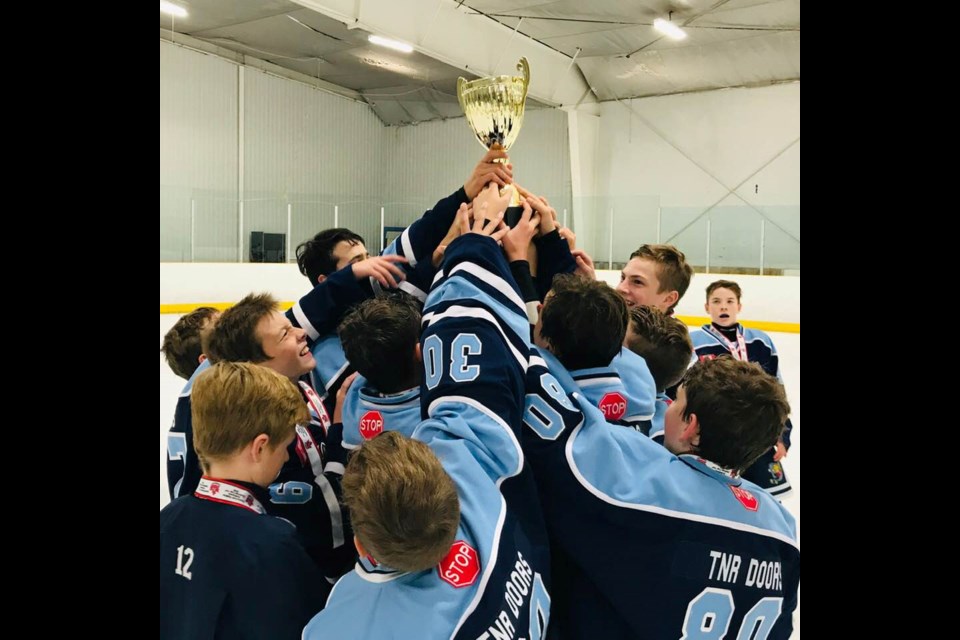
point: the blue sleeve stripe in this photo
(491, 279)
(459, 311)
(408, 252)
(670, 513)
(304, 322)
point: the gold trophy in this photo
(494, 110)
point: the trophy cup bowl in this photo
(494, 110)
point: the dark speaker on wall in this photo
(274, 245)
(256, 246)
(268, 247)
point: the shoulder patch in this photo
(461, 566)
(613, 405)
(371, 424)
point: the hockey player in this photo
(663, 343)
(670, 541)
(726, 336)
(454, 548)
(229, 569)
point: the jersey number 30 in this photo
(463, 346)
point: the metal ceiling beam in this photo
(458, 36)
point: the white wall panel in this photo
(686, 151)
(426, 162)
(313, 150)
(198, 151)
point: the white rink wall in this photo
(765, 298)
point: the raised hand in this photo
(548, 215)
(383, 268)
(490, 204)
(488, 171)
(486, 225)
(517, 241)
(452, 233)
(585, 266)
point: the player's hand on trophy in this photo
(490, 204)
(516, 243)
(548, 216)
(488, 171)
(488, 210)
(382, 268)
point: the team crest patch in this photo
(371, 424)
(214, 488)
(613, 405)
(461, 566)
(747, 499)
(776, 472)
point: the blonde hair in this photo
(403, 505)
(234, 402)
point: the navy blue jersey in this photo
(319, 312)
(493, 582)
(416, 244)
(651, 545)
(553, 257)
(760, 349)
(367, 413)
(183, 468)
(228, 571)
(307, 491)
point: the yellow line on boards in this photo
(693, 321)
(187, 307)
(777, 327)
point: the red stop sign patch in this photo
(371, 424)
(747, 499)
(461, 566)
(613, 405)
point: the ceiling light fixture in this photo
(391, 44)
(172, 9)
(669, 29)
